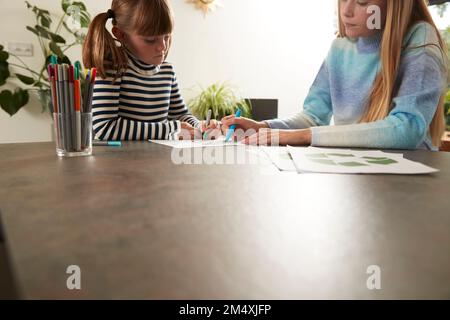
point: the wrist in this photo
(262, 125)
(306, 136)
(299, 137)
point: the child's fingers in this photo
(212, 134)
(228, 120)
(197, 134)
(252, 140)
(213, 124)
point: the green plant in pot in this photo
(74, 19)
(221, 99)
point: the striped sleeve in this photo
(109, 125)
(178, 109)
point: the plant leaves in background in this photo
(77, 11)
(12, 102)
(221, 99)
(4, 66)
(56, 50)
(43, 16)
(66, 4)
(3, 55)
(33, 30)
(26, 80)
(49, 35)
(4, 72)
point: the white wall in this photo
(268, 49)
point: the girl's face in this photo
(151, 50)
(354, 16)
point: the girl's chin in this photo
(352, 33)
(154, 61)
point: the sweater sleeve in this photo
(420, 86)
(317, 110)
(109, 125)
(178, 109)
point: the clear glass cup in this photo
(73, 134)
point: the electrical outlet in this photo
(22, 49)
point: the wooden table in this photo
(139, 226)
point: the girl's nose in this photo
(348, 8)
(162, 44)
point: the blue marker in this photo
(53, 59)
(232, 127)
(107, 143)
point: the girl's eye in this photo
(150, 41)
(363, 3)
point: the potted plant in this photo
(75, 19)
(221, 99)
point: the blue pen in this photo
(232, 127)
(107, 143)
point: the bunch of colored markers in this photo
(72, 105)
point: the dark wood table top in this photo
(139, 226)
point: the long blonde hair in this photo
(401, 16)
(142, 17)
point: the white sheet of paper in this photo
(280, 157)
(369, 153)
(323, 160)
(188, 144)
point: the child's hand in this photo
(188, 132)
(242, 123)
(249, 126)
(213, 124)
(212, 131)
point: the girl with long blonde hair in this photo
(385, 87)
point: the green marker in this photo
(77, 66)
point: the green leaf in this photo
(12, 102)
(65, 59)
(221, 99)
(3, 55)
(46, 21)
(85, 19)
(4, 72)
(49, 35)
(56, 49)
(77, 11)
(80, 4)
(26, 80)
(43, 16)
(33, 30)
(65, 4)
(57, 38)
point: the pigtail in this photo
(100, 49)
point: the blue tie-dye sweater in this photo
(344, 83)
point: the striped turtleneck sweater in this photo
(143, 103)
